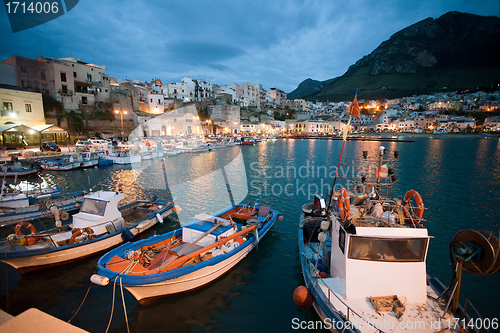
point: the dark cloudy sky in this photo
(277, 43)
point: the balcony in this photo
(65, 92)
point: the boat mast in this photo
(381, 154)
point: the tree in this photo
(75, 122)
(53, 106)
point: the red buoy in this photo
(302, 297)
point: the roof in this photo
(7, 86)
(19, 128)
(50, 128)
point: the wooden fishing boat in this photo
(58, 164)
(121, 153)
(363, 258)
(34, 206)
(187, 258)
(16, 169)
(100, 225)
(247, 141)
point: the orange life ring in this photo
(27, 225)
(78, 232)
(344, 204)
(420, 206)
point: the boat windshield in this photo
(388, 249)
(93, 206)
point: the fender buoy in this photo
(344, 203)
(303, 297)
(27, 225)
(107, 152)
(420, 206)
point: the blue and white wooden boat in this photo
(38, 206)
(16, 169)
(185, 259)
(63, 164)
(363, 259)
(100, 225)
(24, 199)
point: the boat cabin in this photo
(99, 208)
(374, 259)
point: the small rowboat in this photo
(187, 258)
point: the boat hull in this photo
(37, 259)
(195, 280)
(150, 284)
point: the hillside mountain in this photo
(454, 52)
(308, 87)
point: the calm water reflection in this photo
(459, 180)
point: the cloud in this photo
(275, 43)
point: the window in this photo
(64, 89)
(7, 106)
(388, 249)
(42, 75)
(27, 107)
(74, 74)
(89, 77)
(63, 77)
(24, 69)
(93, 206)
(84, 99)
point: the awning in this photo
(15, 128)
(49, 129)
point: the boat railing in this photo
(349, 311)
(49, 236)
(467, 302)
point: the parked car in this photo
(49, 146)
(83, 145)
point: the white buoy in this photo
(325, 225)
(99, 280)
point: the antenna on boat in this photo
(350, 110)
(381, 150)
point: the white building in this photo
(178, 90)
(21, 106)
(278, 96)
(156, 103)
(170, 123)
(246, 126)
(202, 89)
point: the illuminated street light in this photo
(121, 118)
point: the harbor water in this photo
(457, 177)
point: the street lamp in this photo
(121, 118)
